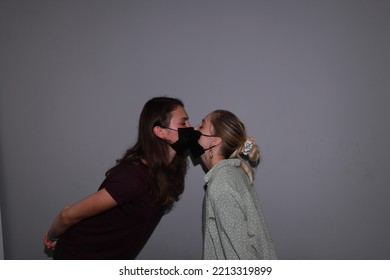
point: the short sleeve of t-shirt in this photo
(126, 182)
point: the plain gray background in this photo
(310, 79)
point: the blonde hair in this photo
(232, 131)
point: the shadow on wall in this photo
(1, 222)
(1, 239)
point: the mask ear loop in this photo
(211, 153)
(209, 135)
(166, 127)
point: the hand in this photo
(48, 243)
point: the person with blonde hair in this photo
(233, 223)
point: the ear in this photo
(216, 141)
(158, 131)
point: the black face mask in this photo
(188, 139)
(196, 149)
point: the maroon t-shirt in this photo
(121, 232)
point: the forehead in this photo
(206, 121)
(179, 114)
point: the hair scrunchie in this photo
(247, 146)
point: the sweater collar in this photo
(225, 162)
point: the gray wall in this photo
(310, 79)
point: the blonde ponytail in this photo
(235, 143)
(249, 159)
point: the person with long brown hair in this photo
(116, 221)
(233, 224)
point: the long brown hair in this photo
(166, 178)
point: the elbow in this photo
(66, 218)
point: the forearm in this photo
(92, 205)
(60, 224)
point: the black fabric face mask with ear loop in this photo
(188, 139)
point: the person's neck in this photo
(215, 160)
(172, 154)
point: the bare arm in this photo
(92, 205)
